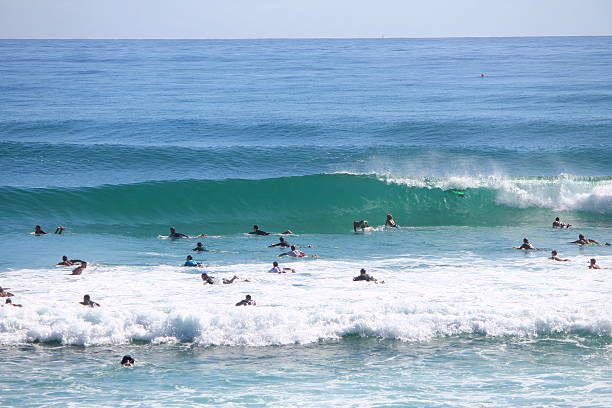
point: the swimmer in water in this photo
(59, 230)
(88, 302)
(390, 222)
(363, 224)
(246, 301)
(190, 262)
(593, 264)
(257, 231)
(554, 257)
(127, 361)
(199, 247)
(39, 231)
(78, 270)
(558, 224)
(68, 262)
(278, 269)
(526, 245)
(4, 293)
(281, 243)
(10, 302)
(363, 276)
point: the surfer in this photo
(4, 293)
(174, 234)
(10, 302)
(363, 276)
(294, 252)
(257, 231)
(582, 240)
(554, 257)
(278, 269)
(247, 301)
(78, 270)
(88, 302)
(68, 262)
(363, 224)
(39, 231)
(210, 279)
(281, 243)
(190, 262)
(526, 245)
(127, 361)
(390, 222)
(199, 247)
(558, 224)
(593, 264)
(59, 230)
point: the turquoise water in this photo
(119, 140)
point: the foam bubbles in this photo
(165, 304)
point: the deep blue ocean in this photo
(471, 143)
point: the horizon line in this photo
(382, 37)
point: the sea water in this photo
(119, 140)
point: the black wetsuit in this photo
(246, 302)
(259, 232)
(364, 277)
(283, 244)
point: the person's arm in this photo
(274, 245)
(289, 269)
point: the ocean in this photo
(118, 140)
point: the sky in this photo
(302, 18)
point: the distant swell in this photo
(317, 203)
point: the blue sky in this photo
(301, 18)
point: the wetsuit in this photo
(246, 302)
(259, 232)
(364, 277)
(283, 244)
(191, 262)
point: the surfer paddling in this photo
(555, 257)
(593, 264)
(177, 235)
(582, 240)
(363, 224)
(526, 245)
(277, 269)
(558, 224)
(391, 222)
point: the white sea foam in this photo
(559, 193)
(165, 304)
